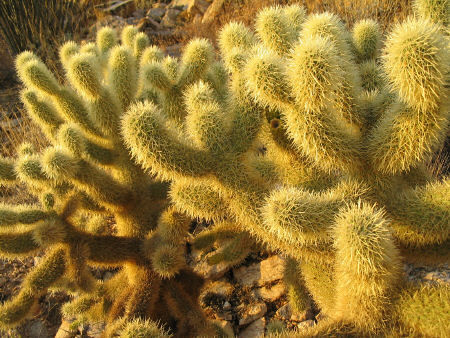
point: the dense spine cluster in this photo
(341, 185)
(86, 176)
(307, 138)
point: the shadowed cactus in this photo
(346, 130)
(88, 174)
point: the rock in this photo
(266, 271)
(174, 50)
(64, 330)
(170, 18)
(302, 316)
(212, 11)
(270, 294)
(159, 5)
(216, 294)
(3, 280)
(148, 22)
(96, 330)
(156, 13)
(284, 312)
(197, 7)
(108, 275)
(254, 330)
(180, 4)
(226, 327)
(201, 266)
(38, 329)
(305, 324)
(138, 14)
(223, 316)
(252, 313)
(321, 316)
(226, 305)
(220, 287)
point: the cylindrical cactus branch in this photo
(346, 118)
(301, 91)
(87, 174)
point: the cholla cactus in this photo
(88, 174)
(341, 185)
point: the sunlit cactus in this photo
(87, 174)
(317, 147)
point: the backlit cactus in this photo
(307, 138)
(316, 147)
(87, 174)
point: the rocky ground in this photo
(245, 298)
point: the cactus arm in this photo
(298, 217)
(198, 200)
(197, 57)
(42, 113)
(273, 28)
(159, 149)
(122, 75)
(36, 76)
(316, 128)
(416, 62)
(204, 120)
(424, 310)
(93, 180)
(366, 39)
(17, 244)
(298, 296)
(234, 251)
(368, 265)
(245, 126)
(421, 216)
(80, 145)
(35, 284)
(8, 175)
(24, 214)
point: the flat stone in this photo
(270, 294)
(266, 271)
(252, 313)
(254, 330)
